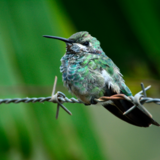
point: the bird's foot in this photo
(93, 100)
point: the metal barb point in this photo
(143, 89)
(138, 103)
(57, 112)
(54, 86)
(55, 98)
(129, 110)
(53, 92)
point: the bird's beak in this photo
(59, 38)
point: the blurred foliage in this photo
(129, 34)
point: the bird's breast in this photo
(83, 81)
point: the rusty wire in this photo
(138, 100)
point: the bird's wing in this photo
(114, 72)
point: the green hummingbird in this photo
(89, 73)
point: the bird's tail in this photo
(135, 117)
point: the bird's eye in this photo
(86, 43)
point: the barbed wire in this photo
(138, 100)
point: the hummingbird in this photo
(89, 74)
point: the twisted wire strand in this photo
(64, 100)
(39, 99)
(138, 100)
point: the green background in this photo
(129, 32)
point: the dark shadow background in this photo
(129, 34)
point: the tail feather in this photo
(135, 117)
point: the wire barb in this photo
(138, 100)
(53, 92)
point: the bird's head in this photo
(81, 42)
